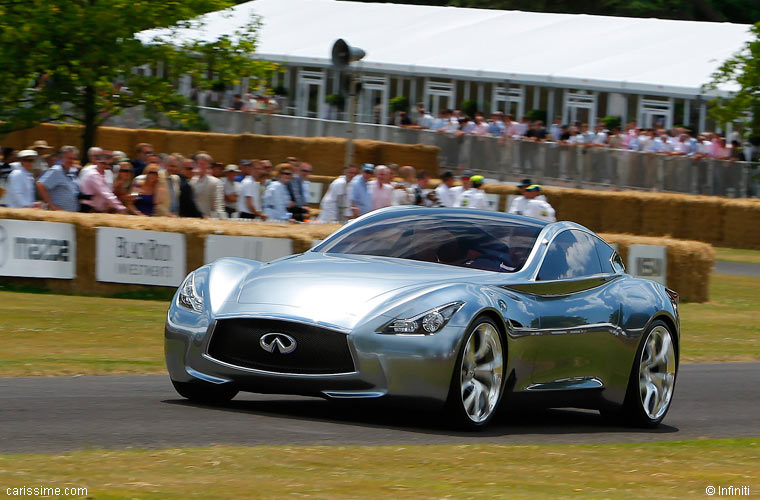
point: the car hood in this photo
(338, 289)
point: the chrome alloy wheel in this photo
(657, 372)
(481, 373)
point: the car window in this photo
(572, 254)
(605, 253)
(487, 244)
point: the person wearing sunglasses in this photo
(21, 182)
(277, 200)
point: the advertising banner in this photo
(140, 257)
(648, 261)
(247, 247)
(32, 249)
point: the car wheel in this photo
(478, 380)
(205, 393)
(653, 378)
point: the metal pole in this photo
(351, 121)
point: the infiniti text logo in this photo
(284, 344)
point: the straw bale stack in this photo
(689, 263)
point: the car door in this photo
(575, 299)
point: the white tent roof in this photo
(579, 51)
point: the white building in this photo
(575, 66)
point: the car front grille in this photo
(318, 350)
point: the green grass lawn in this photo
(49, 334)
(737, 255)
(727, 328)
(605, 471)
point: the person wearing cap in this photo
(231, 189)
(537, 205)
(56, 188)
(359, 195)
(20, 185)
(456, 191)
(276, 198)
(520, 203)
(474, 197)
(443, 191)
(334, 205)
(43, 151)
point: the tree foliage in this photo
(742, 70)
(76, 60)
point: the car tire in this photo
(653, 378)
(477, 384)
(205, 393)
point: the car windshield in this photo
(477, 242)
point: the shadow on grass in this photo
(375, 414)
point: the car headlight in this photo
(189, 296)
(426, 323)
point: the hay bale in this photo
(620, 212)
(701, 218)
(222, 147)
(18, 139)
(185, 143)
(689, 263)
(117, 139)
(156, 138)
(660, 214)
(741, 224)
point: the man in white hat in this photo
(43, 151)
(21, 182)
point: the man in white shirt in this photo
(443, 191)
(456, 191)
(334, 206)
(276, 198)
(473, 197)
(536, 207)
(20, 185)
(249, 197)
(520, 203)
(380, 189)
(207, 190)
(231, 189)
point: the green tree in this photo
(743, 71)
(76, 60)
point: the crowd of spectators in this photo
(173, 185)
(658, 140)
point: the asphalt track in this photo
(55, 414)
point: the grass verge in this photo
(49, 335)
(726, 328)
(654, 470)
(737, 255)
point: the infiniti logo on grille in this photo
(284, 344)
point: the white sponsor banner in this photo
(315, 193)
(32, 249)
(648, 261)
(247, 247)
(140, 257)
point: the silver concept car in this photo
(460, 308)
